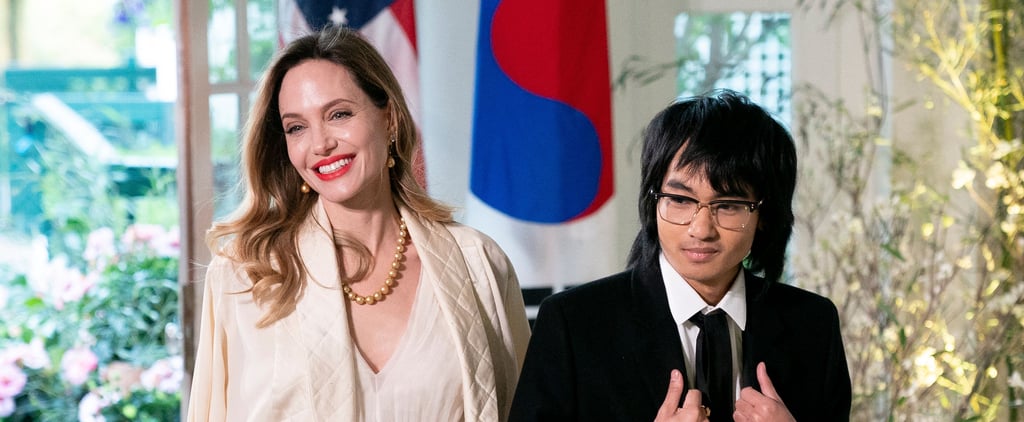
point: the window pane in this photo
(221, 42)
(262, 35)
(746, 52)
(224, 148)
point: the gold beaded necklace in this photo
(389, 283)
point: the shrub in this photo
(94, 336)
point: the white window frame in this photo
(196, 189)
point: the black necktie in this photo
(714, 363)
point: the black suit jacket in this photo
(603, 351)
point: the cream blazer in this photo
(302, 368)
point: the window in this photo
(749, 52)
(88, 216)
(227, 44)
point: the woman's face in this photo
(337, 138)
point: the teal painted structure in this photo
(100, 113)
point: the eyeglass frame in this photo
(751, 206)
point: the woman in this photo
(339, 289)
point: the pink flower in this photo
(99, 247)
(43, 277)
(151, 237)
(61, 283)
(168, 245)
(6, 406)
(10, 355)
(12, 380)
(77, 286)
(165, 375)
(91, 406)
(34, 355)
(140, 235)
(77, 364)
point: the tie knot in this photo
(715, 317)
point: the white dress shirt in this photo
(683, 302)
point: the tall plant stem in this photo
(998, 15)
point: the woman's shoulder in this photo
(225, 273)
(465, 236)
(222, 262)
(469, 235)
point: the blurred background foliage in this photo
(929, 277)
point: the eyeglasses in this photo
(727, 214)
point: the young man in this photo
(718, 175)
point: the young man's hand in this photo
(692, 410)
(761, 406)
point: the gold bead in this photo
(393, 273)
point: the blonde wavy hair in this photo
(261, 236)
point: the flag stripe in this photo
(405, 16)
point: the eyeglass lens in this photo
(727, 215)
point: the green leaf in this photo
(893, 251)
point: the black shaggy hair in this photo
(741, 149)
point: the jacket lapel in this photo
(444, 266)
(764, 329)
(658, 348)
(317, 332)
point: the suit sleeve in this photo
(207, 398)
(546, 390)
(837, 378)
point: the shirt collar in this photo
(683, 300)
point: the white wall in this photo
(447, 49)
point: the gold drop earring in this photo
(304, 188)
(391, 160)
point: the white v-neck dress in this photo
(422, 379)
(302, 368)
